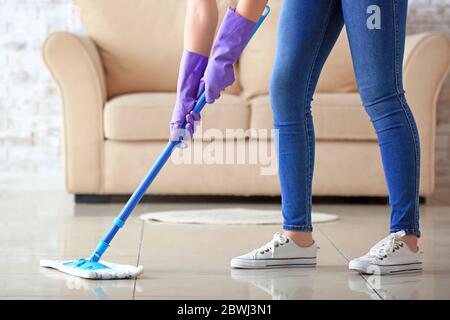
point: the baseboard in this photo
(176, 199)
(227, 199)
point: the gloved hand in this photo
(231, 40)
(192, 68)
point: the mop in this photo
(93, 267)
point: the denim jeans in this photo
(307, 32)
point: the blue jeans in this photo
(307, 33)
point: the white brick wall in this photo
(30, 112)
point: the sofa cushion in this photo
(255, 64)
(140, 41)
(146, 116)
(336, 116)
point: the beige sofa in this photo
(118, 90)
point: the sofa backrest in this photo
(255, 65)
(140, 41)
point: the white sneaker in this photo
(389, 256)
(280, 252)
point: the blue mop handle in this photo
(136, 197)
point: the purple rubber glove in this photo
(231, 40)
(192, 68)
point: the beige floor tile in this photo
(191, 261)
(50, 224)
(320, 283)
(22, 277)
(351, 236)
(54, 284)
(424, 285)
(176, 266)
(358, 227)
(166, 242)
(74, 236)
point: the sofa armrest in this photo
(426, 65)
(75, 64)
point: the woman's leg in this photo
(200, 26)
(376, 31)
(307, 32)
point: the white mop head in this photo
(114, 271)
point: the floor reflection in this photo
(389, 287)
(99, 289)
(281, 284)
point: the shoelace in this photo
(388, 245)
(277, 240)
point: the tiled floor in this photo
(192, 261)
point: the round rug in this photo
(235, 216)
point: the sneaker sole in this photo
(273, 263)
(368, 268)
